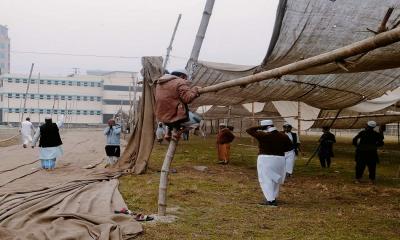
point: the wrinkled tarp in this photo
(75, 201)
(309, 28)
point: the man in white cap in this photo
(367, 141)
(271, 158)
(49, 143)
(26, 132)
(290, 156)
(172, 95)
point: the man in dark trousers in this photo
(325, 152)
(172, 95)
(367, 141)
(272, 146)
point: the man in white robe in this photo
(26, 132)
(271, 159)
(49, 142)
(291, 155)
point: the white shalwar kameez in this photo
(271, 173)
(26, 132)
(290, 156)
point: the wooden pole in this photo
(298, 118)
(169, 49)
(201, 33)
(38, 98)
(162, 190)
(366, 45)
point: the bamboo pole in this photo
(26, 93)
(366, 45)
(162, 189)
(201, 33)
(169, 49)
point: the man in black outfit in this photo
(367, 141)
(325, 151)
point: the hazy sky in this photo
(239, 32)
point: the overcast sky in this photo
(239, 32)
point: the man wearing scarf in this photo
(272, 146)
(50, 142)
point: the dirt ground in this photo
(20, 168)
(222, 202)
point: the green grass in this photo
(221, 203)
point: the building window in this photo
(69, 98)
(69, 83)
(48, 111)
(98, 112)
(32, 110)
(17, 110)
(78, 84)
(78, 98)
(62, 111)
(25, 110)
(17, 95)
(23, 96)
(48, 97)
(24, 80)
(69, 112)
(10, 80)
(92, 99)
(78, 112)
(84, 98)
(41, 111)
(41, 81)
(49, 82)
(41, 97)
(62, 97)
(92, 84)
(32, 81)
(63, 83)
(10, 95)
(17, 80)
(91, 112)
(98, 99)
(84, 112)
(32, 96)
(85, 84)
(55, 82)
(99, 84)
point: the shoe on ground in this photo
(269, 203)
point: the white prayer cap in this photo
(267, 122)
(371, 124)
(47, 117)
(286, 124)
(183, 71)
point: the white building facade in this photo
(82, 99)
(4, 50)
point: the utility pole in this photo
(26, 92)
(169, 49)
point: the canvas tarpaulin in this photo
(307, 28)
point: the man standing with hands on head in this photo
(272, 146)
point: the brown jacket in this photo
(172, 96)
(225, 136)
(271, 143)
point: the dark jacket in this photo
(326, 142)
(49, 135)
(172, 95)
(270, 143)
(367, 141)
(225, 136)
(295, 144)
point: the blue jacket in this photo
(113, 135)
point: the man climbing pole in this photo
(172, 95)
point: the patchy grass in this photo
(221, 203)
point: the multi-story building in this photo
(82, 99)
(4, 50)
